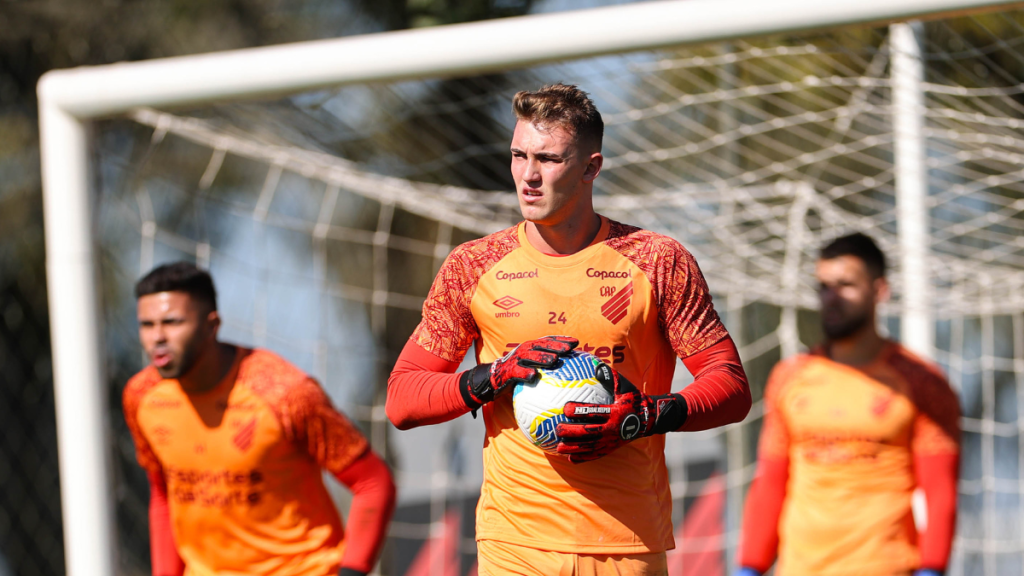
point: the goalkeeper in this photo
(850, 431)
(233, 441)
(633, 298)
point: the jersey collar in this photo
(562, 260)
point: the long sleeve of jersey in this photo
(423, 389)
(338, 447)
(373, 502)
(936, 455)
(163, 553)
(310, 420)
(719, 394)
(759, 544)
(937, 476)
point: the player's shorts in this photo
(502, 559)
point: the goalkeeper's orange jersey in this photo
(634, 298)
(243, 465)
(850, 435)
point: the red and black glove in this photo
(484, 382)
(595, 430)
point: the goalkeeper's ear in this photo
(594, 164)
(880, 288)
(212, 323)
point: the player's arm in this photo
(719, 394)
(759, 539)
(936, 456)
(163, 551)
(424, 389)
(759, 542)
(312, 422)
(373, 502)
(937, 476)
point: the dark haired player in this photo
(850, 430)
(234, 441)
(634, 298)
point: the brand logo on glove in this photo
(630, 427)
(593, 410)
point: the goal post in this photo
(70, 99)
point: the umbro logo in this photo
(616, 307)
(507, 302)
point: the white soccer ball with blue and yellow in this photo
(538, 406)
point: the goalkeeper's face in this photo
(849, 295)
(175, 330)
(554, 175)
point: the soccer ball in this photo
(538, 406)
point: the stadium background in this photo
(163, 197)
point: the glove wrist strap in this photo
(475, 387)
(671, 413)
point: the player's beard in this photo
(844, 324)
(185, 359)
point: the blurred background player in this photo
(634, 298)
(850, 430)
(234, 441)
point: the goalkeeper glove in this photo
(595, 430)
(483, 383)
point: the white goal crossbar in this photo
(70, 99)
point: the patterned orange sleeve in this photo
(686, 313)
(306, 414)
(937, 423)
(330, 438)
(448, 329)
(131, 399)
(774, 441)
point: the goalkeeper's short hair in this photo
(564, 105)
(861, 246)
(179, 277)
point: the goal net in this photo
(323, 217)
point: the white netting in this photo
(324, 216)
